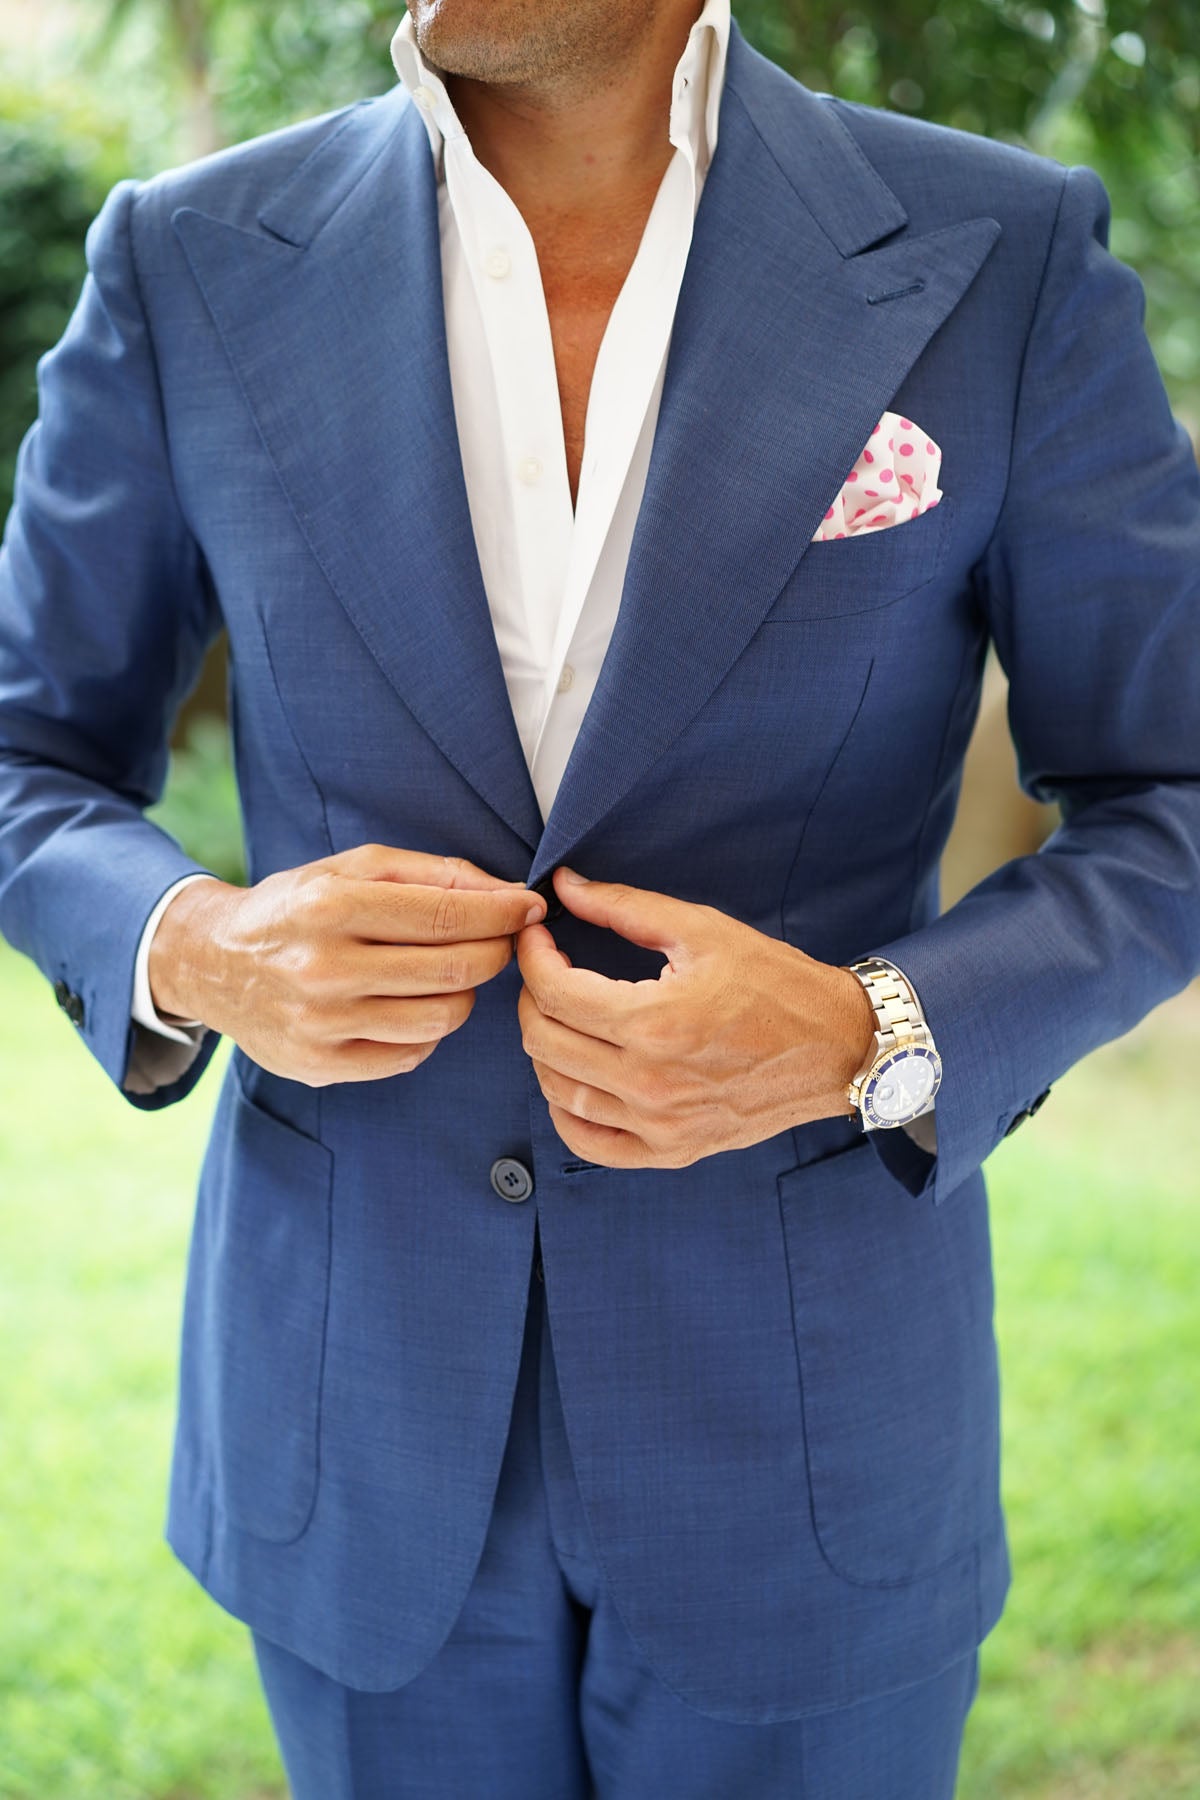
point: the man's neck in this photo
(579, 151)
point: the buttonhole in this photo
(914, 287)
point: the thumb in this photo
(655, 921)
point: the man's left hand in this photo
(738, 1037)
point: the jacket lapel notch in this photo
(317, 186)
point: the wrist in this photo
(178, 968)
(853, 1024)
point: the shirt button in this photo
(498, 264)
(529, 470)
(566, 678)
(511, 1179)
(424, 97)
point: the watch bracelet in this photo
(898, 1016)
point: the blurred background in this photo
(119, 1678)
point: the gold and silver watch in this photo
(903, 1071)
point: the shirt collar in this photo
(695, 86)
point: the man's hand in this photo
(350, 968)
(740, 1036)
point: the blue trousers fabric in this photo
(539, 1693)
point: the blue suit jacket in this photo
(777, 1365)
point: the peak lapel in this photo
(335, 328)
(791, 336)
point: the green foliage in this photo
(200, 806)
(279, 63)
(998, 66)
(121, 1680)
(57, 162)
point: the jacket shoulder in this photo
(940, 172)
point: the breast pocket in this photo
(866, 572)
(269, 1270)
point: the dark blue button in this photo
(511, 1179)
(1026, 1112)
(71, 1004)
(545, 887)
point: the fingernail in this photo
(535, 913)
(571, 876)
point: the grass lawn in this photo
(121, 1680)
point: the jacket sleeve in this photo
(106, 611)
(1091, 582)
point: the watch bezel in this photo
(900, 1053)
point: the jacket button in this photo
(511, 1179)
(71, 1004)
(545, 887)
(1026, 1112)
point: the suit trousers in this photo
(539, 1693)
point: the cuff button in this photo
(1026, 1112)
(71, 1004)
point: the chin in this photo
(488, 40)
(459, 36)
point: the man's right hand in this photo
(350, 968)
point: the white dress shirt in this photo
(553, 575)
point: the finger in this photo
(419, 1021)
(604, 1144)
(591, 1002)
(653, 920)
(359, 1060)
(581, 1100)
(395, 971)
(421, 913)
(385, 862)
(571, 1052)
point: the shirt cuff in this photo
(923, 1131)
(145, 1013)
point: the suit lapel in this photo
(335, 327)
(791, 337)
(792, 333)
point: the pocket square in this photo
(894, 480)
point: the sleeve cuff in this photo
(180, 1031)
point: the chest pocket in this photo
(866, 572)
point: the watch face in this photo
(902, 1086)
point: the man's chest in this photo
(581, 284)
(576, 331)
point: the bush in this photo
(57, 163)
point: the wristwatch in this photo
(903, 1070)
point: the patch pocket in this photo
(864, 573)
(896, 1362)
(269, 1296)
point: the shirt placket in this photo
(503, 269)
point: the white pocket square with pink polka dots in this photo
(894, 480)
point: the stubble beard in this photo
(540, 43)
